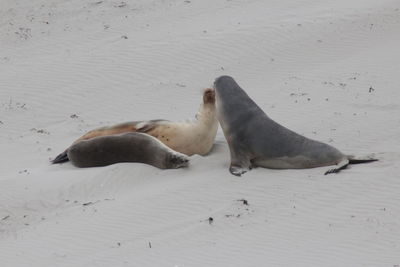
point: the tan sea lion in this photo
(255, 140)
(188, 137)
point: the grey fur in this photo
(127, 147)
(255, 140)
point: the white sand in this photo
(327, 69)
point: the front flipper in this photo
(240, 161)
(237, 170)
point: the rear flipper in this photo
(359, 161)
(61, 158)
(345, 163)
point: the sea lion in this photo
(126, 147)
(255, 140)
(189, 137)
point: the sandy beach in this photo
(329, 70)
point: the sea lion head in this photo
(225, 85)
(229, 94)
(176, 160)
(209, 96)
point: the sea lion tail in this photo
(62, 157)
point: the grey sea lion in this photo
(188, 137)
(255, 140)
(127, 147)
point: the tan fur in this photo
(189, 137)
(116, 129)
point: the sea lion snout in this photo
(209, 96)
(177, 160)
